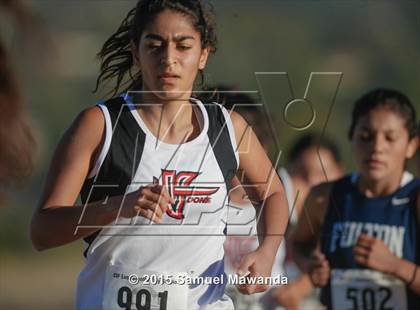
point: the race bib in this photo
(366, 289)
(127, 288)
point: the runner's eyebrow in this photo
(183, 38)
(367, 128)
(177, 38)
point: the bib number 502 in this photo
(366, 298)
(143, 299)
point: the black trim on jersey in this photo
(120, 163)
(221, 143)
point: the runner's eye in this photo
(153, 45)
(365, 136)
(184, 47)
(391, 138)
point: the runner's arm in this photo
(408, 271)
(304, 237)
(56, 217)
(265, 186)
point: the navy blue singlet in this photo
(392, 218)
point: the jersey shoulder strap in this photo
(222, 139)
(119, 158)
(121, 155)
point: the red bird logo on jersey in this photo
(179, 187)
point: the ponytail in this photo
(117, 58)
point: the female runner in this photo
(153, 166)
(360, 238)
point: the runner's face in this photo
(313, 171)
(381, 144)
(169, 55)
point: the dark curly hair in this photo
(116, 56)
(388, 98)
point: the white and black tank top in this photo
(198, 174)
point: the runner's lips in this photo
(374, 162)
(168, 75)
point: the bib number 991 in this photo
(143, 299)
(369, 298)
